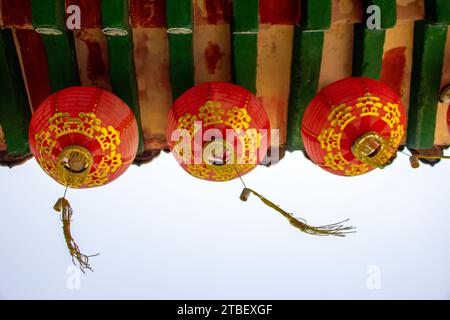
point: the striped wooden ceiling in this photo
(282, 50)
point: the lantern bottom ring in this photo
(74, 163)
(371, 148)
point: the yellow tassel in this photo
(63, 206)
(335, 229)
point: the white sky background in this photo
(163, 234)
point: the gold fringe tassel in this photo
(335, 229)
(63, 206)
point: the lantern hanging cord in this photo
(240, 177)
(336, 229)
(63, 206)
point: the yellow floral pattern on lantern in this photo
(211, 113)
(250, 141)
(329, 139)
(87, 124)
(369, 105)
(237, 118)
(187, 122)
(392, 116)
(342, 115)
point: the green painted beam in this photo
(306, 64)
(367, 52)
(179, 14)
(48, 16)
(115, 17)
(181, 63)
(245, 16)
(179, 28)
(438, 11)
(245, 28)
(428, 56)
(245, 50)
(121, 59)
(14, 107)
(316, 14)
(62, 61)
(388, 10)
(48, 19)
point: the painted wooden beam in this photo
(438, 11)
(62, 61)
(410, 9)
(120, 53)
(91, 13)
(306, 64)
(3, 146)
(1, 26)
(442, 133)
(397, 59)
(212, 40)
(346, 11)
(16, 14)
(279, 12)
(367, 52)
(48, 16)
(148, 13)
(92, 55)
(274, 74)
(14, 108)
(429, 43)
(48, 19)
(316, 14)
(337, 57)
(179, 28)
(151, 56)
(33, 60)
(388, 11)
(245, 43)
(91, 45)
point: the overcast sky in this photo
(163, 234)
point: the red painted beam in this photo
(393, 68)
(279, 12)
(16, 13)
(91, 13)
(148, 13)
(34, 63)
(212, 12)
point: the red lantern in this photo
(84, 136)
(222, 109)
(353, 126)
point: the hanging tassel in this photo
(63, 206)
(335, 229)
